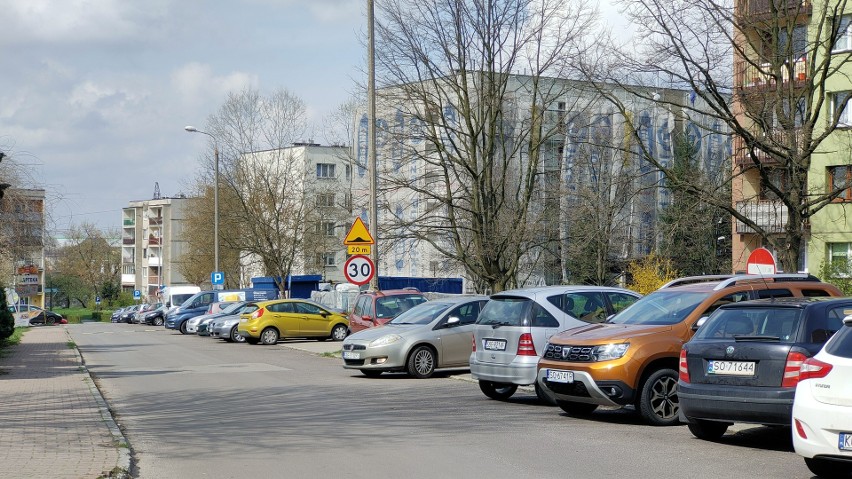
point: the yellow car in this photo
(268, 321)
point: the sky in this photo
(95, 94)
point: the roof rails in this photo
(696, 279)
(726, 280)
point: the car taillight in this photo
(814, 369)
(526, 346)
(257, 313)
(792, 368)
(473, 339)
(683, 370)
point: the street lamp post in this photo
(192, 129)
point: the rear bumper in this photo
(521, 371)
(736, 403)
(822, 423)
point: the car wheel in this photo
(269, 336)
(658, 400)
(576, 408)
(49, 320)
(707, 430)
(543, 396)
(235, 336)
(828, 469)
(370, 373)
(498, 391)
(338, 333)
(421, 362)
(158, 321)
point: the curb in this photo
(121, 443)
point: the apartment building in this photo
(23, 259)
(792, 83)
(151, 244)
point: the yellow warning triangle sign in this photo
(358, 234)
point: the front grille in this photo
(575, 354)
(354, 347)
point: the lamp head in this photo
(191, 129)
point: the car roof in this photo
(535, 291)
(391, 292)
(709, 283)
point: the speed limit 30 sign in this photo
(359, 269)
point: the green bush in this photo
(96, 315)
(838, 273)
(7, 321)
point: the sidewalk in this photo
(53, 420)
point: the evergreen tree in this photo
(7, 321)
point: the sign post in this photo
(761, 261)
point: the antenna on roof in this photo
(156, 190)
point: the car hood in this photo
(609, 332)
(379, 331)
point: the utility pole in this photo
(371, 140)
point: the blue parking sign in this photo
(137, 294)
(217, 277)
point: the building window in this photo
(838, 254)
(840, 177)
(347, 201)
(776, 177)
(325, 228)
(348, 172)
(326, 259)
(325, 200)
(325, 170)
(840, 108)
(844, 34)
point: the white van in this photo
(174, 296)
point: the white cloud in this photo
(196, 83)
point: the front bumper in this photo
(585, 389)
(391, 357)
(736, 403)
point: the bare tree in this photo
(89, 257)
(472, 115)
(762, 68)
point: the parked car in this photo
(116, 315)
(225, 327)
(374, 308)
(632, 359)
(268, 321)
(432, 335)
(743, 364)
(822, 412)
(157, 316)
(127, 314)
(515, 326)
(139, 315)
(213, 309)
(30, 314)
(203, 327)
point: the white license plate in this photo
(351, 355)
(495, 344)
(731, 368)
(243, 320)
(557, 376)
(845, 441)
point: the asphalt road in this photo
(194, 407)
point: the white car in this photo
(822, 408)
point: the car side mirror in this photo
(324, 314)
(452, 321)
(699, 323)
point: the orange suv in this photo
(633, 357)
(374, 308)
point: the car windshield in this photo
(505, 311)
(232, 308)
(660, 308)
(768, 324)
(421, 314)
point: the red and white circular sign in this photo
(761, 261)
(359, 269)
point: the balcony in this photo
(760, 77)
(128, 279)
(154, 241)
(769, 215)
(128, 241)
(155, 221)
(777, 137)
(129, 222)
(155, 261)
(751, 10)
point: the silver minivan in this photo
(514, 327)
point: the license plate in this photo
(495, 344)
(557, 376)
(243, 320)
(351, 355)
(731, 368)
(845, 441)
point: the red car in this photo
(374, 308)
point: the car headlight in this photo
(608, 352)
(385, 340)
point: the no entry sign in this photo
(761, 261)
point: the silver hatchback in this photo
(514, 327)
(432, 335)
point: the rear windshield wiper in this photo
(499, 323)
(743, 337)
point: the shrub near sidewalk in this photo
(7, 321)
